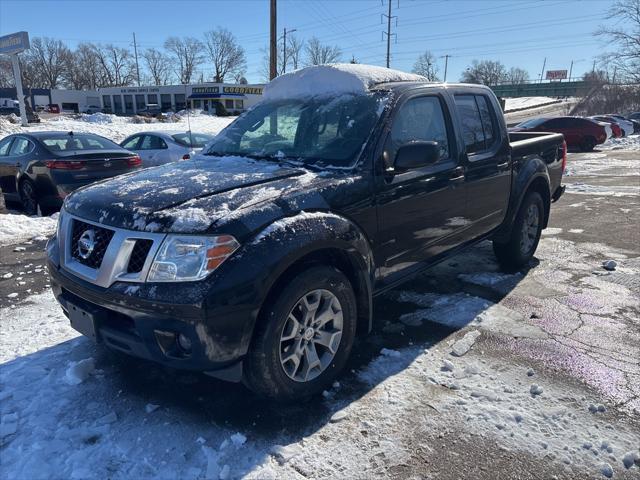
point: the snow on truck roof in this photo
(333, 79)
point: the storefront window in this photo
(140, 103)
(228, 104)
(152, 99)
(180, 101)
(165, 98)
(106, 103)
(117, 104)
(239, 104)
(128, 104)
(197, 104)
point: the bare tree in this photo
(426, 65)
(187, 52)
(225, 53)
(116, 64)
(6, 72)
(624, 36)
(294, 49)
(83, 68)
(485, 72)
(319, 54)
(157, 65)
(517, 75)
(49, 57)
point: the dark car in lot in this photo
(578, 132)
(259, 259)
(39, 169)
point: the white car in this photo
(158, 148)
(625, 124)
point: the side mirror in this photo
(416, 154)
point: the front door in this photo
(421, 212)
(7, 168)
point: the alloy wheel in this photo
(311, 335)
(530, 229)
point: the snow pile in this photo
(521, 103)
(632, 142)
(15, 228)
(333, 80)
(99, 117)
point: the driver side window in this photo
(277, 131)
(420, 119)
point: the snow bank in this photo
(15, 228)
(332, 80)
(520, 103)
(632, 142)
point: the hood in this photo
(187, 196)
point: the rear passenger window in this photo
(478, 122)
(4, 146)
(20, 146)
(151, 142)
(421, 118)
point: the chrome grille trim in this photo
(116, 258)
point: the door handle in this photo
(457, 174)
(503, 165)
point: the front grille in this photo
(101, 239)
(139, 255)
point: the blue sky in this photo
(517, 32)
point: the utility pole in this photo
(273, 44)
(570, 70)
(446, 64)
(615, 69)
(593, 70)
(135, 50)
(284, 49)
(388, 32)
(544, 64)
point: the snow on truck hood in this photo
(187, 196)
(332, 80)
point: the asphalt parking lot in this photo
(407, 407)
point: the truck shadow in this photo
(423, 315)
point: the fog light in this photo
(184, 343)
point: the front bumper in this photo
(139, 319)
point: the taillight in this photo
(65, 164)
(564, 155)
(186, 156)
(134, 161)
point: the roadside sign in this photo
(556, 74)
(14, 43)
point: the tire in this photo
(588, 144)
(28, 197)
(277, 365)
(525, 234)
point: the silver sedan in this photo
(158, 148)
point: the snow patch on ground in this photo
(15, 228)
(632, 142)
(512, 104)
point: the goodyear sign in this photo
(205, 90)
(14, 43)
(243, 90)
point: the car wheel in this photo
(525, 234)
(588, 144)
(303, 339)
(28, 197)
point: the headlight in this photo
(183, 258)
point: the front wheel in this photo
(525, 234)
(304, 337)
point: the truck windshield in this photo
(313, 131)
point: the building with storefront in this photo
(131, 100)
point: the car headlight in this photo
(184, 258)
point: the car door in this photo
(488, 162)
(17, 160)
(132, 144)
(420, 211)
(152, 150)
(7, 168)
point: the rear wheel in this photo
(588, 144)
(525, 234)
(304, 338)
(28, 197)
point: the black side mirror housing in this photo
(415, 155)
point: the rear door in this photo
(420, 211)
(7, 168)
(488, 162)
(153, 151)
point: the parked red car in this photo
(578, 132)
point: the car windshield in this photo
(65, 141)
(313, 131)
(534, 122)
(195, 140)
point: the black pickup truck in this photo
(258, 260)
